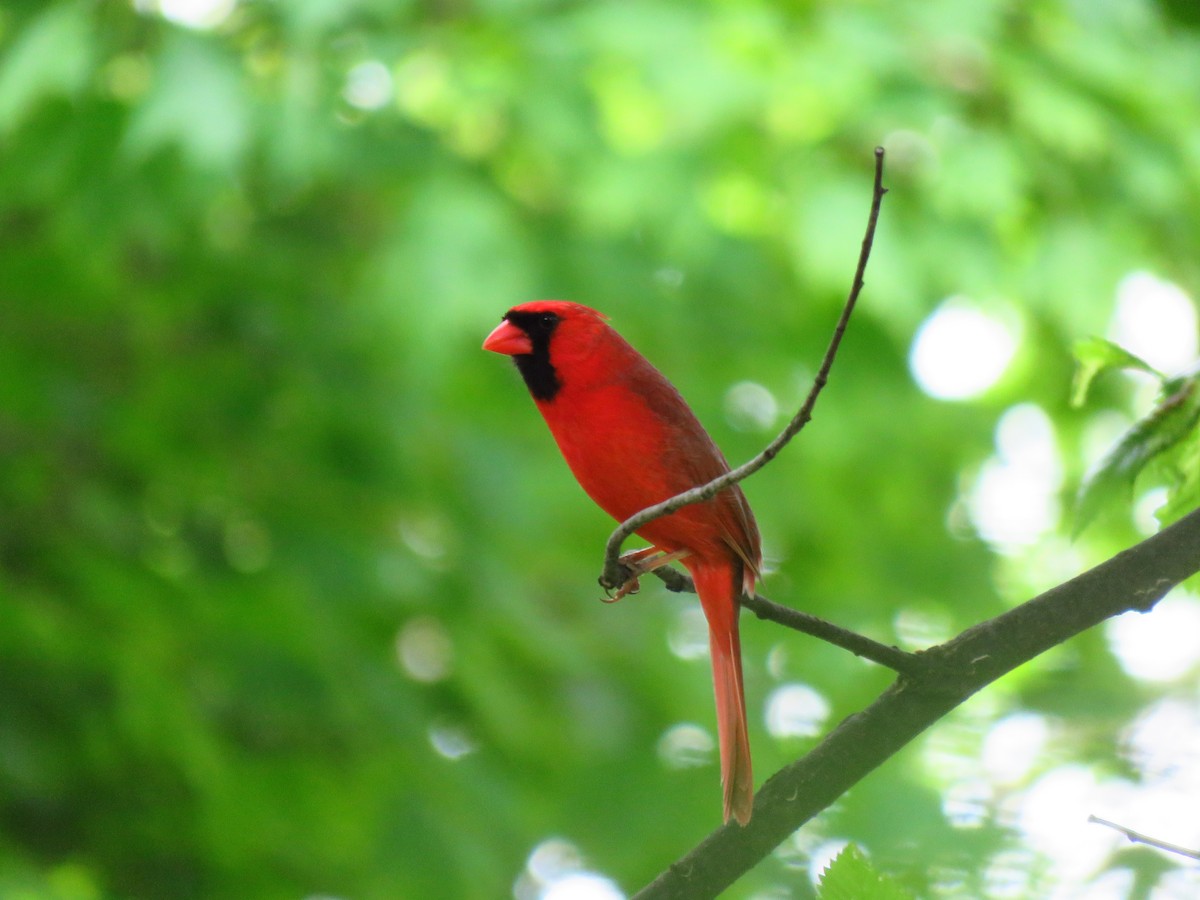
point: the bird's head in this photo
(544, 336)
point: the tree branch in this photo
(893, 658)
(615, 573)
(1139, 838)
(1135, 579)
(910, 664)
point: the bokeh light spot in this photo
(424, 649)
(1014, 500)
(451, 740)
(555, 871)
(553, 859)
(686, 746)
(1013, 746)
(688, 635)
(1053, 817)
(199, 14)
(1155, 320)
(583, 886)
(750, 407)
(1163, 646)
(918, 629)
(368, 85)
(961, 350)
(1145, 510)
(428, 535)
(796, 710)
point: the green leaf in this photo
(1095, 355)
(852, 877)
(1182, 466)
(1171, 422)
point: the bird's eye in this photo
(548, 320)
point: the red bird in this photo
(632, 441)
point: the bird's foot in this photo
(638, 563)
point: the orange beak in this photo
(508, 339)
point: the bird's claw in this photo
(629, 587)
(636, 563)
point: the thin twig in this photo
(616, 574)
(1138, 838)
(895, 659)
(892, 657)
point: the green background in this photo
(297, 598)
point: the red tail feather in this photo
(718, 588)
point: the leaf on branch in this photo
(1170, 425)
(852, 877)
(1095, 355)
(1182, 465)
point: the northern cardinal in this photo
(632, 441)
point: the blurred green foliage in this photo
(296, 598)
(1167, 435)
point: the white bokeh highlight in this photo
(368, 85)
(1014, 500)
(424, 649)
(1160, 647)
(198, 14)
(1156, 320)
(686, 746)
(555, 870)
(1013, 747)
(750, 407)
(796, 711)
(687, 636)
(961, 350)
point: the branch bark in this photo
(615, 573)
(1135, 579)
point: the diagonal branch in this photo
(910, 664)
(898, 660)
(1137, 837)
(1135, 579)
(615, 573)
